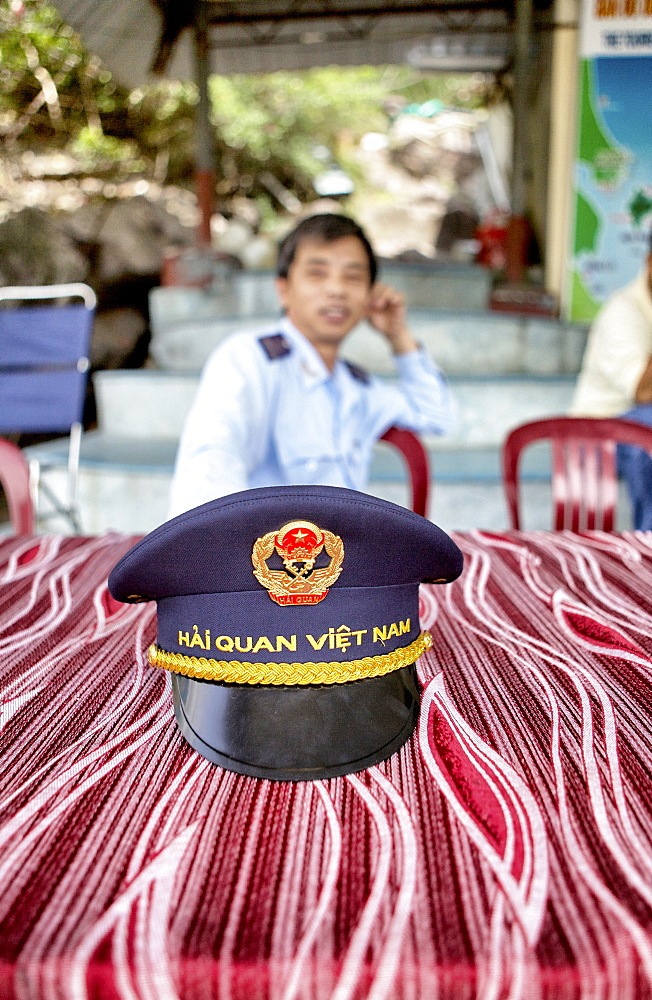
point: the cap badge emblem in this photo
(299, 544)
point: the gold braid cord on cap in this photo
(238, 672)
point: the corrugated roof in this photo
(267, 35)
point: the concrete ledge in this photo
(245, 294)
(491, 406)
(152, 404)
(462, 343)
(144, 403)
(103, 451)
(447, 309)
(126, 465)
(136, 502)
(467, 344)
(131, 500)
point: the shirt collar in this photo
(311, 364)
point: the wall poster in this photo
(613, 166)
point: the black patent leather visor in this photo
(298, 733)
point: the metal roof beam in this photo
(227, 12)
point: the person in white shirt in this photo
(284, 408)
(616, 379)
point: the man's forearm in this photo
(643, 392)
(428, 404)
(403, 342)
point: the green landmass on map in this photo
(587, 226)
(606, 162)
(640, 206)
(583, 307)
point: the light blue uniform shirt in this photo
(258, 421)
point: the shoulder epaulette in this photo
(275, 346)
(359, 373)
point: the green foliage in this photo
(459, 90)
(277, 122)
(93, 149)
(55, 95)
(49, 85)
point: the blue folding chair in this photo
(44, 363)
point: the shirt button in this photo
(311, 465)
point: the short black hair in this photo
(325, 228)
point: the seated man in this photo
(616, 379)
(284, 408)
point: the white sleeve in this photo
(224, 435)
(420, 401)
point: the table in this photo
(506, 851)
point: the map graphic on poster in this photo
(613, 169)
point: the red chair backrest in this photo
(14, 477)
(416, 459)
(584, 482)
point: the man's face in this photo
(327, 289)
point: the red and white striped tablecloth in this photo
(505, 852)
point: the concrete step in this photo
(150, 403)
(463, 336)
(127, 464)
(463, 464)
(244, 294)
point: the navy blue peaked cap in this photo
(386, 544)
(288, 617)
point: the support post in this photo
(562, 145)
(204, 165)
(518, 232)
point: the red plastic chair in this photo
(416, 459)
(584, 480)
(14, 478)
